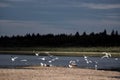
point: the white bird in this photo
(50, 61)
(72, 64)
(86, 59)
(51, 65)
(44, 64)
(23, 60)
(55, 59)
(36, 53)
(13, 58)
(41, 64)
(42, 58)
(107, 55)
(116, 59)
(96, 66)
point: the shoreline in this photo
(37, 66)
(57, 73)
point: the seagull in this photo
(36, 53)
(55, 59)
(72, 64)
(13, 58)
(50, 61)
(116, 59)
(96, 66)
(86, 59)
(23, 60)
(41, 64)
(107, 55)
(42, 58)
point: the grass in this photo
(63, 51)
(68, 49)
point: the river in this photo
(111, 63)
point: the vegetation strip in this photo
(59, 53)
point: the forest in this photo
(101, 39)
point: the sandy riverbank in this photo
(57, 73)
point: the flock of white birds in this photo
(72, 63)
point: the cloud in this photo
(4, 5)
(100, 6)
(112, 15)
(17, 0)
(93, 25)
(88, 5)
(79, 4)
(15, 27)
(20, 23)
(55, 16)
(116, 17)
(68, 3)
(94, 22)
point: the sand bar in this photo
(57, 73)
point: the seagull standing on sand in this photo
(96, 66)
(72, 64)
(41, 64)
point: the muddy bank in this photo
(57, 73)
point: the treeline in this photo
(62, 40)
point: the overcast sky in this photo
(58, 16)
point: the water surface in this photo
(25, 60)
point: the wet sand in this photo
(57, 73)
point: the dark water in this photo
(105, 63)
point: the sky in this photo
(19, 17)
